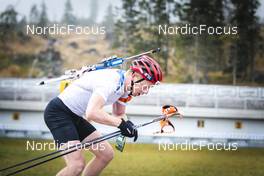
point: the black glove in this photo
(128, 129)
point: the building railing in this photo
(183, 95)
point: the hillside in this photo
(23, 58)
(32, 58)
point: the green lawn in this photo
(146, 159)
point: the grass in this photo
(146, 159)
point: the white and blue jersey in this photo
(108, 83)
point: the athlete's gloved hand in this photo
(128, 129)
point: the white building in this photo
(212, 113)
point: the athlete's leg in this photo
(74, 162)
(103, 154)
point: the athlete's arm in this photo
(96, 113)
(118, 110)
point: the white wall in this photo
(186, 127)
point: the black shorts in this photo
(64, 124)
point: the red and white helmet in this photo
(148, 68)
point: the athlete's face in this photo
(141, 88)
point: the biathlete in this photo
(68, 116)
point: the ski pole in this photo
(97, 140)
(82, 145)
(50, 154)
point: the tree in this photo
(109, 23)
(9, 17)
(157, 12)
(205, 51)
(8, 23)
(20, 30)
(43, 18)
(34, 14)
(93, 12)
(137, 29)
(68, 17)
(248, 41)
(127, 28)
